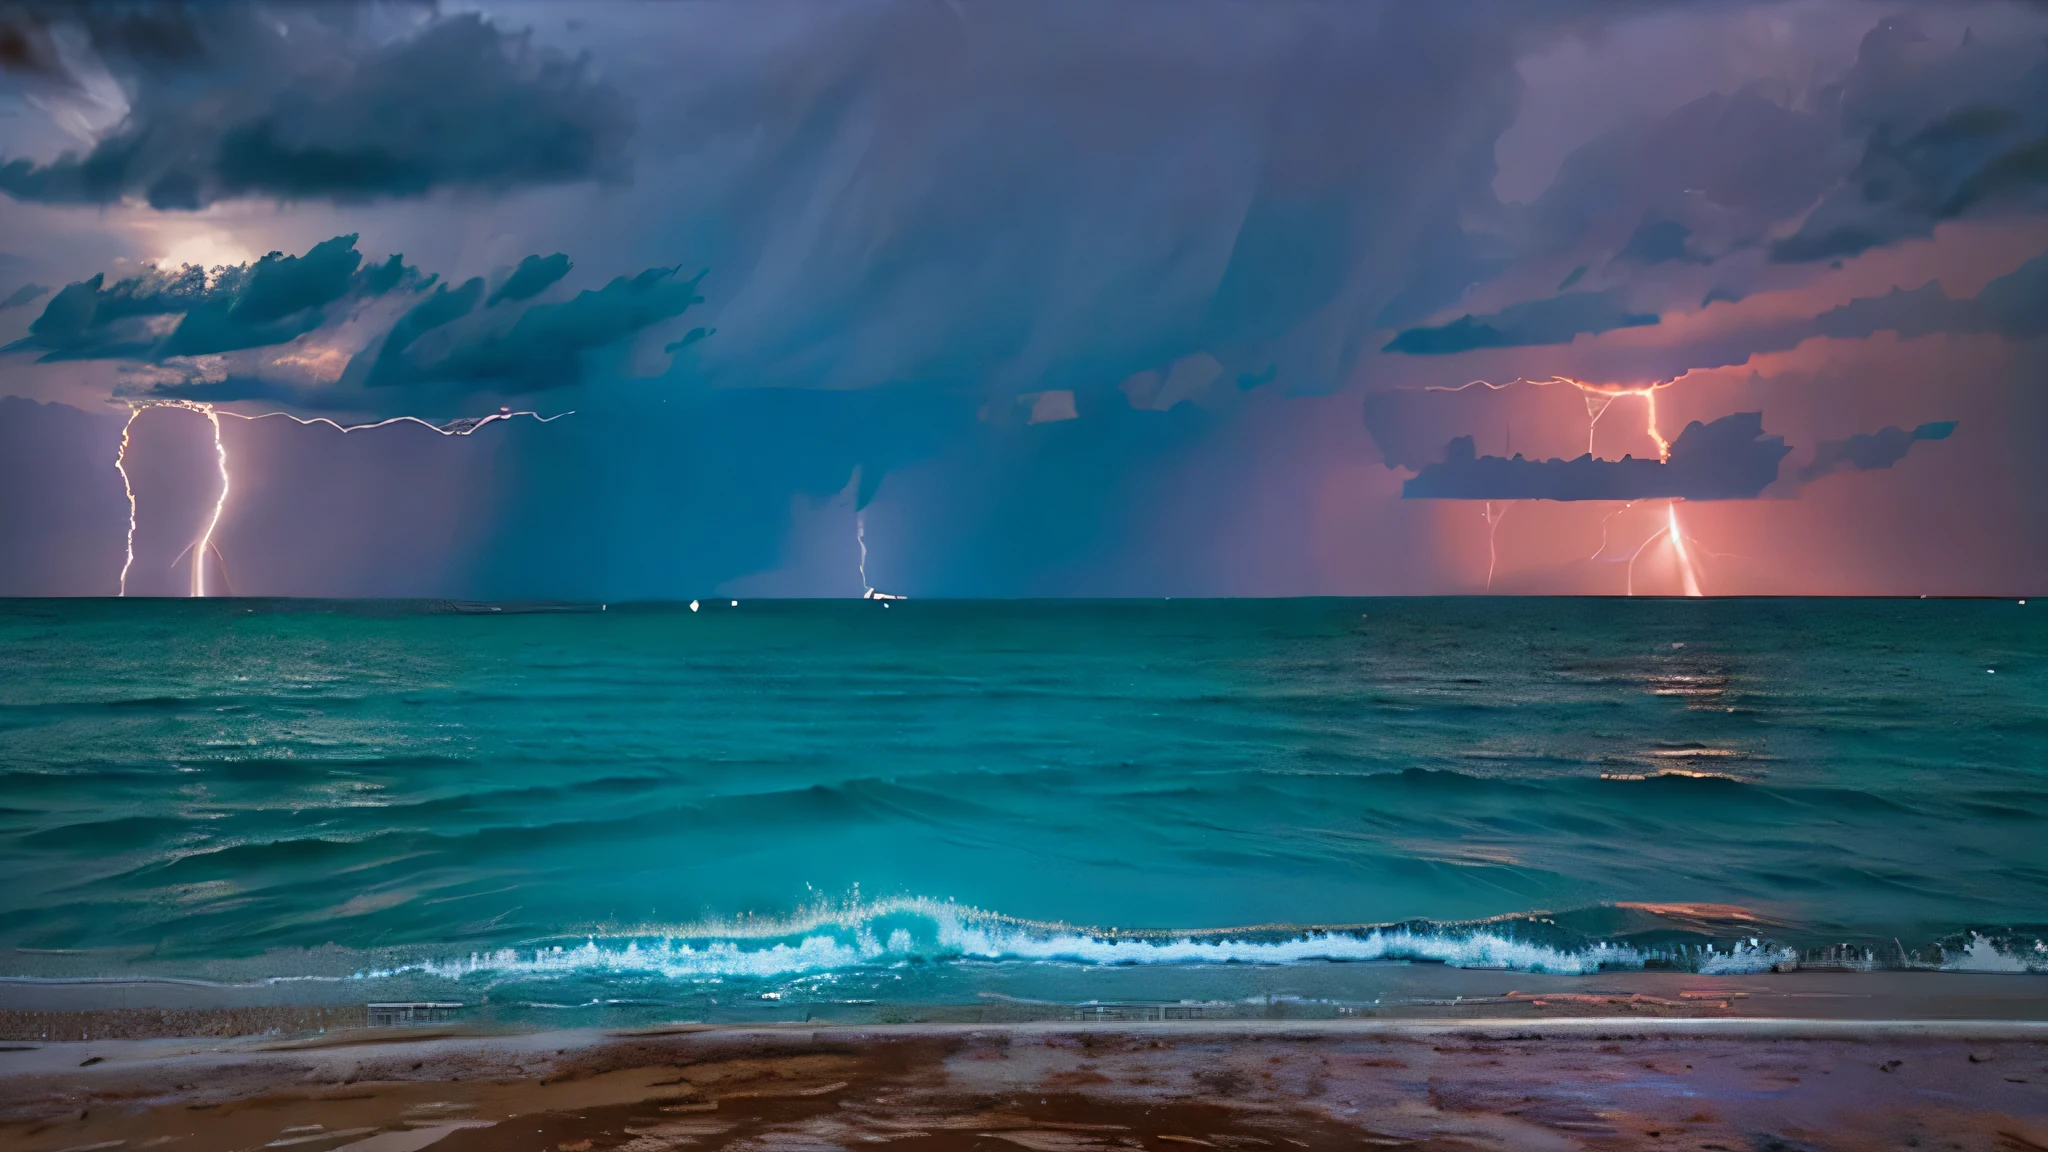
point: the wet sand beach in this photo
(1717, 1085)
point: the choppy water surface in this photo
(933, 797)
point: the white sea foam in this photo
(1745, 959)
(1984, 955)
(906, 931)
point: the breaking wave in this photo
(911, 931)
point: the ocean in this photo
(667, 807)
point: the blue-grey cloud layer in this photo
(1944, 134)
(1866, 451)
(1556, 320)
(295, 102)
(541, 349)
(914, 212)
(2014, 306)
(191, 312)
(1729, 459)
(526, 345)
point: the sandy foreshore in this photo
(1718, 1085)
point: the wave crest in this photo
(917, 931)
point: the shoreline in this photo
(1051, 1086)
(44, 1010)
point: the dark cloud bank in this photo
(1729, 459)
(1554, 321)
(1869, 450)
(194, 312)
(992, 199)
(981, 190)
(1921, 130)
(298, 102)
(2014, 306)
(163, 316)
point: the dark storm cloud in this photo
(442, 306)
(1658, 242)
(1556, 320)
(2014, 306)
(1718, 171)
(531, 278)
(297, 102)
(1918, 130)
(1866, 451)
(22, 296)
(1058, 195)
(444, 338)
(194, 311)
(1945, 132)
(544, 347)
(1729, 459)
(157, 35)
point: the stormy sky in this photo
(1153, 297)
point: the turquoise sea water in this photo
(576, 804)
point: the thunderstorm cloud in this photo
(2014, 306)
(194, 311)
(1866, 451)
(1081, 290)
(543, 348)
(304, 103)
(531, 278)
(1944, 134)
(1729, 459)
(1554, 321)
(168, 318)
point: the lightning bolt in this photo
(1685, 566)
(1604, 522)
(1672, 533)
(204, 540)
(121, 466)
(203, 544)
(1493, 530)
(860, 535)
(220, 452)
(1599, 398)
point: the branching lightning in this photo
(203, 544)
(1677, 539)
(1598, 400)
(1604, 522)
